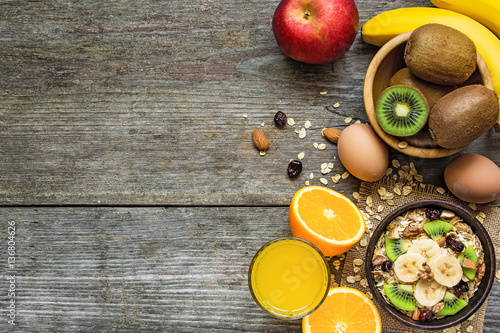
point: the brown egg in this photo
(473, 178)
(363, 153)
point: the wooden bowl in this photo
(387, 61)
(479, 296)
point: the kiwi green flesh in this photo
(452, 304)
(401, 296)
(437, 229)
(394, 248)
(470, 254)
(401, 111)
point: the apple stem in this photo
(307, 15)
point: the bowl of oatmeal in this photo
(430, 264)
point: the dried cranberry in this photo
(294, 168)
(280, 118)
(461, 287)
(387, 266)
(426, 316)
(432, 213)
(454, 244)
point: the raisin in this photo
(294, 168)
(280, 118)
(432, 213)
(387, 266)
(426, 316)
(461, 287)
(455, 245)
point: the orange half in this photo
(326, 218)
(345, 310)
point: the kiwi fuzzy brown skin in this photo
(440, 54)
(432, 92)
(463, 115)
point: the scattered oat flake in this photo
(396, 164)
(263, 124)
(350, 279)
(315, 145)
(323, 181)
(406, 168)
(302, 133)
(482, 214)
(497, 274)
(470, 328)
(380, 208)
(369, 201)
(472, 206)
(323, 92)
(378, 217)
(290, 121)
(364, 283)
(322, 146)
(345, 175)
(369, 294)
(347, 120)
(307, 183)
(245, 116)
(355, 195)
(440, 190)
(262, 152)
(301, 155)
(336, 263)
(479, 218)
(356, 269)
(357, 121)
(363, 242)
(382, 191)
(358, 262)
(403, 144)
(419, 178)
(336, 105)
(311, 175)
(388, 171)
(307, 124)
(390, 202)
(336, 178)
(335, 285)
(357, 278)
(330, 165)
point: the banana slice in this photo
(447, 270)
(408, 266)
(429, 293)
(427, 248)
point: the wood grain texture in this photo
(145, 269)
(142, 103)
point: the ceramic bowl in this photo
(387, 61)
(480, 295)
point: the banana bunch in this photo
(387, 25)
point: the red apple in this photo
(315, 31)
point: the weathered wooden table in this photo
(127, 164)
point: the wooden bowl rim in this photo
(393, 141)
(486, 283)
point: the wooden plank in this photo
(150, 269)
(143, 103)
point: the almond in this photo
(441, 241)
(332, 134)
(260, 140)
(469, 264)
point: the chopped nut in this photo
(469, 264)
(480, 270)
(394, 233)
(446, 214)
(332, 134)
(441, 241)
(378, 260)
(416, 314)
(438, 307)
(411, 231)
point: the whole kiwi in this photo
(432, 92)
(440, 54)
(463, 115)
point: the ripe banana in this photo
(427, 248)
(485, 12)
(387, 25)
(408, 266)
(429, 293)
(447, 270)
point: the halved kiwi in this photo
(437, 228)
(401, 295)
(470, 254)
(394, 248)
(452, 304)
(402, 111)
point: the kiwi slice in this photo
(470, 254)
(401, 295)
(437, 229)
(401, 111)
(394, 248)
(452, 304)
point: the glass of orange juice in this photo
(289, 278)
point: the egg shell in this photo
(362, 152)
(473, 178)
